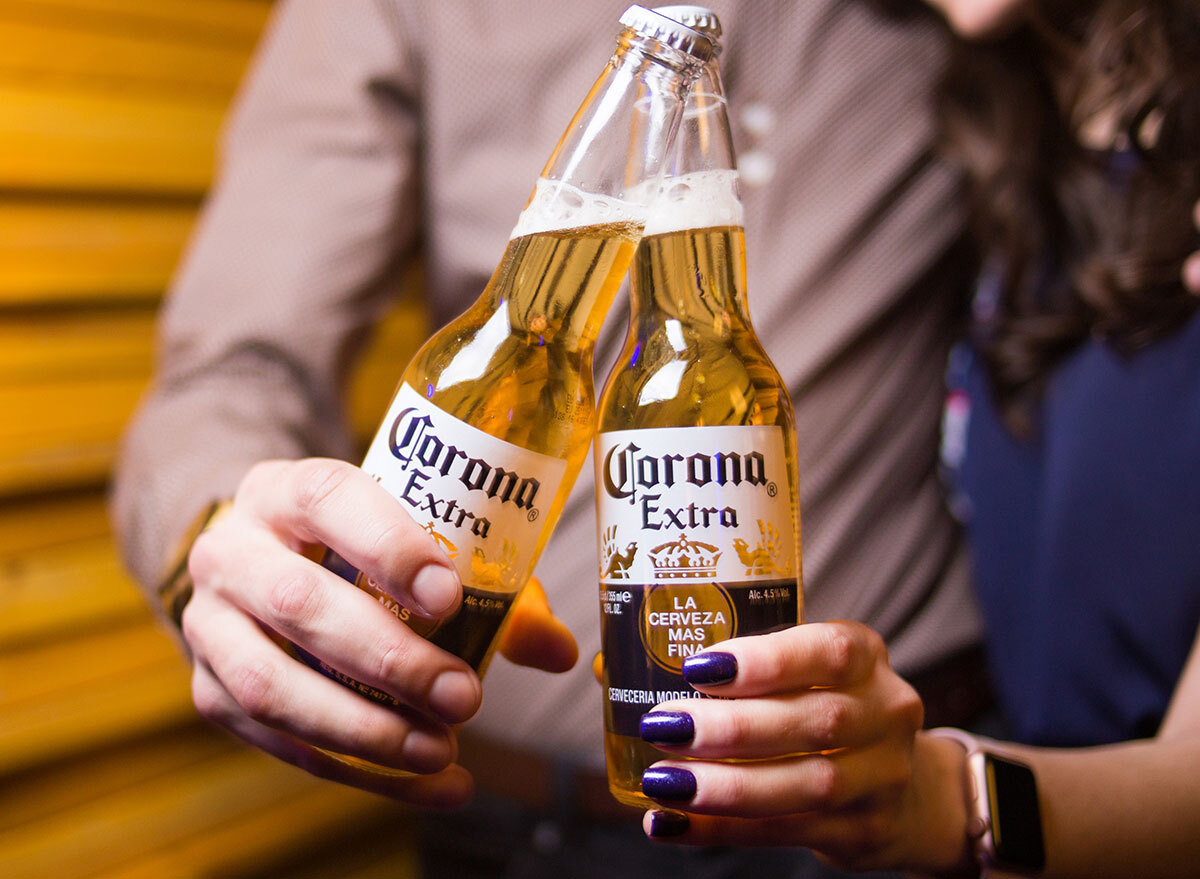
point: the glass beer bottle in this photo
(696, 483)
(493, 417)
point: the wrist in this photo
(941, 834)
(1004, 826)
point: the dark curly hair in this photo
(1084, 241)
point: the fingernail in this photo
(1191, 273)
(668, 783)
(664, 824)
(709, 669)
(435, 589)
(668, 727)
(454, 696)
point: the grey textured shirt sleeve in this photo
(290, 263)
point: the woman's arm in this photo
(848, 774)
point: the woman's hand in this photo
(257, 587)
(836, 764)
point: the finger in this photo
(1191, 273)
(447, 788)
(859, 840)
(534, 636)
(781, 787)
(837, 654)
(272, 690)
(754, 729)
(338, 505)
(343, 626)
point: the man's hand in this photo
(257, 588)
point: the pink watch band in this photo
(979, 818)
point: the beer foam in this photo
(556, 205)
(697, 200)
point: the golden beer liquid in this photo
(696, 280)
(518, 363)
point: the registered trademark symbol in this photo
(532, 515)
(772, 489)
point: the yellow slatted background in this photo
(109, 113)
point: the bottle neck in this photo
(575, 239)
(625, 130)
(691, 266)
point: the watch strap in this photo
(978, 810)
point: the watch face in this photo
(1015, 817)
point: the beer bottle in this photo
(696, 483)
(493, 417)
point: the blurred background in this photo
(110, 112)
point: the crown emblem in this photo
(685, 559)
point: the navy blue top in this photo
(1086, 538)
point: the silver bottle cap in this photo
(698, 18)
(668, 31)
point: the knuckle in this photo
(393, 662)
(316, 482)
(841, 652)
(259, 472)
(732, 787)
(881, 830)
(874, 644)
(735, 729)
(824, 782)
(254, 687)
(295, 600)
(189, 626)
(382, 544)
(911, 710)
(784, 654)
(828, 719)
(207, 698)
(204, 558)
(359, 734)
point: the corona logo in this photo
(685, 559)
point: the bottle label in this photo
(697, 545)
(483, 500)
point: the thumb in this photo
(534, 636)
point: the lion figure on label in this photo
(495, 575)
(763, 558)
(616, 565)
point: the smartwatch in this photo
(1004, 821)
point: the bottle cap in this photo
(667, 31)
(698, 18)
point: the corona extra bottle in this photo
(696, 484)
(493, 417)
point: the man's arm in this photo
(291, 261)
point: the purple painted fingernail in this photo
(664, 824)
(668, 783)
(667, 728)
(710, 669)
